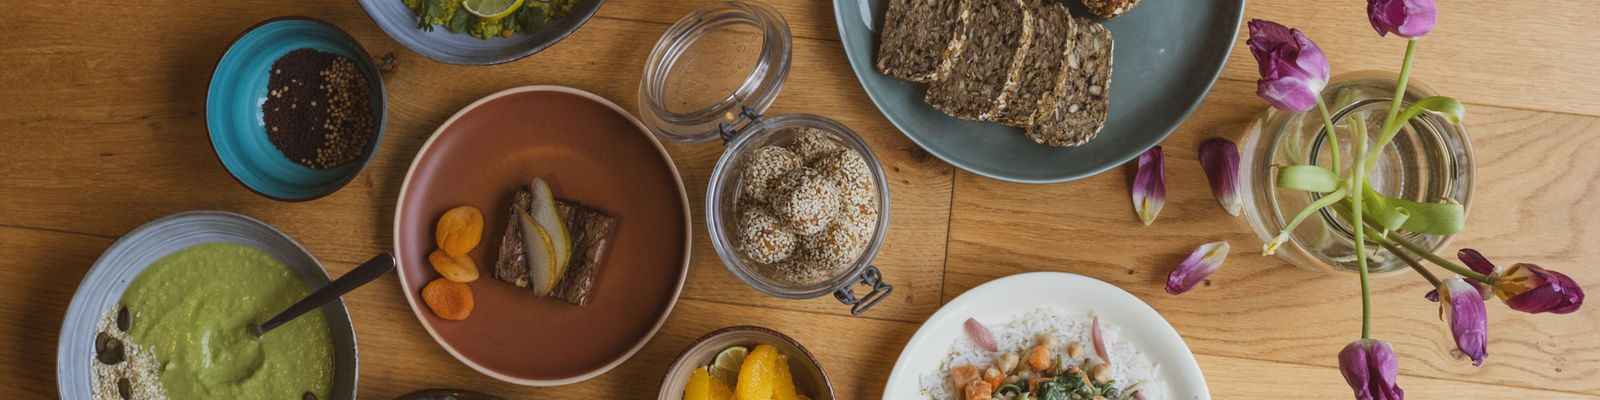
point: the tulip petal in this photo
(1292, 68)
(1461, 305)
(1200, 264)
(1220, 159)
(1353, 365)
(1370, 368)
(1150, 185)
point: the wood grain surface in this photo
(103, 129)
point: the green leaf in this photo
(1432, 218)
(1382, 209)
(460, 22)
(1308, 178)
(1445, 106)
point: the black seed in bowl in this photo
(122, 319)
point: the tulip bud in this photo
(1532, 289)
(1410, 19)
(1369, 366)
(1461, 305)
(1293, 69)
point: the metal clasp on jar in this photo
(871, 278)
(751, 116)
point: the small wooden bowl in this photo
(809, 377)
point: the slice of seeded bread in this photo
(1108, 9)
(918, 38)
(997, 33)
(1041, 69)
(1076, 110)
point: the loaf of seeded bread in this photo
(1076, 110)
(997, 33)
(1042, 67)
(1109, 9)
(918, 43)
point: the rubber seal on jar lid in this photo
(714, 69)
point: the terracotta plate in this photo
(591, 152)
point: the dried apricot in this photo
(459, 230)
(448, 299)
(456, 268)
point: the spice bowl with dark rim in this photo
(238, 123)
(809, 377)
(711, 76)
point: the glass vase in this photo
(1430, 160)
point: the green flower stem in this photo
(1333, 138)
(1358, 177)
(1391, 126)
(1415, 266)
(1393, 240)
(1442, 262)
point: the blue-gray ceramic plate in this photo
(1167, 54)
(102, 288)
(444, 46)
(239, 87)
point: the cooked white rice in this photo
(1129, 366)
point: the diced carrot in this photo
(1039, 358)
(979, 390)
(963, 375)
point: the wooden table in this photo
(102, 116)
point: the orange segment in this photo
(699, 387)
(783, 382)
(720, 390)
(756, 375)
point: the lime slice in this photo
(726, 366)
(491, 9)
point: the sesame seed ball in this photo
(844, 239)
(811, 144)
(760, 238)
(809, 203)
(766, 168)
(850, 173)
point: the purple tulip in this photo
(1478, 263)
(1200, 264)
(1532, 289)
(1370, 368)
(1293, 69)
(1461, 305)
(1410, 19)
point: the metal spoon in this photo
(361, 275)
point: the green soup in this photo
(196, 308)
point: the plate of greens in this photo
(479, 32)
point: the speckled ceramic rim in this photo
(683, 271)
(811, 360)
(584, 14)
(112, 262)
(372, 148)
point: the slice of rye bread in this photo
(1041, 71)
(997, 34)
(1108, 9)
(918, 38)
(1076, 110)
(590, 230)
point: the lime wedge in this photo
(726, 365)
(491, 9)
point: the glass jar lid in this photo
(715, 71)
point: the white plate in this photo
(1000, 300)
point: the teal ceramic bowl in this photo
(239, 87)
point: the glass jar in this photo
(1430, 160)
(713, 74)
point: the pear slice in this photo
(545, 213)
(541, 254)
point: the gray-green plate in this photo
(1167, 55)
